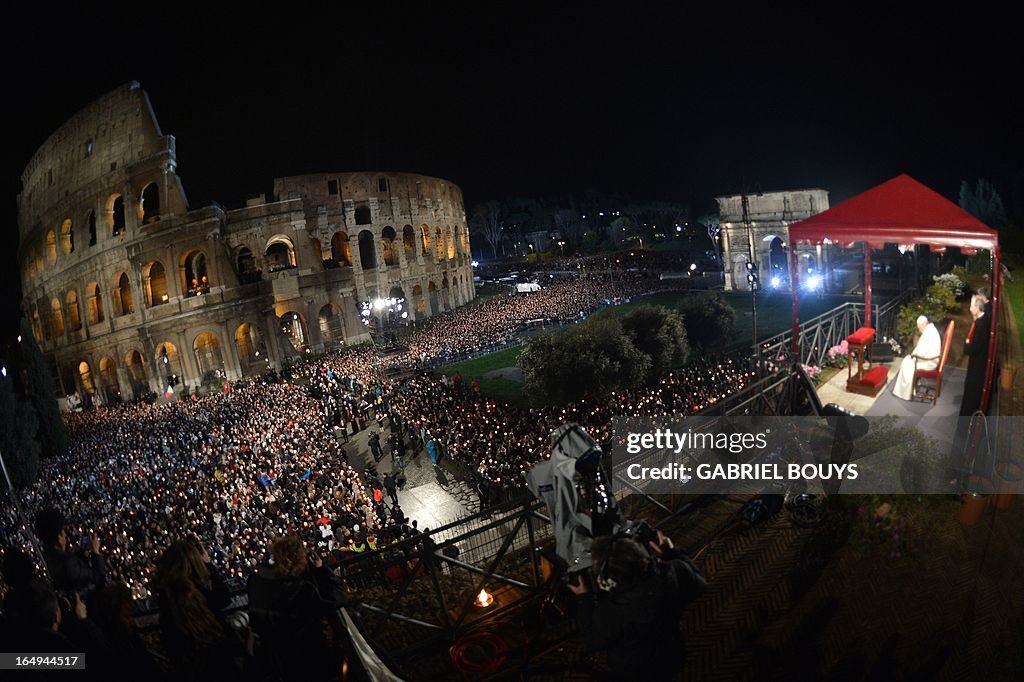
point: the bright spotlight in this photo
(693, 267)
(776, 281)
(475, 264)
(405, 315)
(813, 282)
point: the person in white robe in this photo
(924, 356)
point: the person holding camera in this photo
(79, 571)
(289, 602)
(633, 606)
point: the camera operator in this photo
(289, 602)
(70, 571)
(633, 606)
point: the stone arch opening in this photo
(195, 280)
(85, 376)
(438, 244)
(168, 363)
(363, 216)
(108, 376)
(425, 239)
(341, 248)
(293, 326)
(137, 374)
(115, 214)
(367, 251)
(778, 258)
(149, 206)
(251, 349)
(51, 247)
(280, 253)
(74, 314)
(67, 237)
(332, 327)
(389, 246)
(409, 240)
(419, 305)
(123, 295)
(435, 304)
(449, 242)
(206, 348)
(154, 284)
(94, 302)
(56, 318)
(245, 265)
(90, 221)
(37, 326)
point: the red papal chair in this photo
(928, 382)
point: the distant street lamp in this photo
(561, 245)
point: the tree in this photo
(710, 321)
(587, 361)
(984, 203)
(40, 390)
(489, 221)
(18, 444)
(713, 227)
(658, 333)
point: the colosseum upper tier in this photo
(128, 287)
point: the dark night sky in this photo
(512, 99)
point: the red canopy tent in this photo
(900, 211)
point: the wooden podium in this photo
(869, 382)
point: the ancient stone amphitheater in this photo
(130, 289)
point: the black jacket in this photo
(70, 572)
(639, 624)
(977, 359)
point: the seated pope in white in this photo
(926, 353)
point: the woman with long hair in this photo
(192, 598)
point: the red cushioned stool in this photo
(859, 342)
(871, 383)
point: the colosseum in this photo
(129, 289)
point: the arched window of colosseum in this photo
(280, 253)
(208, 357)
(91, 221)
(123, 295)
(149, 206)
(367, 251)
(137, 373)
(37, 327)
(363, 216)
(67, 237)
(450, 241)
(438, 244)
(332, 329)
(74, 315)
(293, 326)
(194, 278)
(245, 265)
(250, 346)
(409, 240)
(341, 248)
(154, 284)
(417, 300)
(389, 246)
(425, 235)
(40, 265)
(85, 375)
(51, 247)
(108, 374)
(115, 214)
(93, 302)
(435, 307)
(57, 318)
(168, 365)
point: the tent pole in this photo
(993, 333)
(867, 285)
(794, 289)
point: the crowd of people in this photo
(233, 472)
